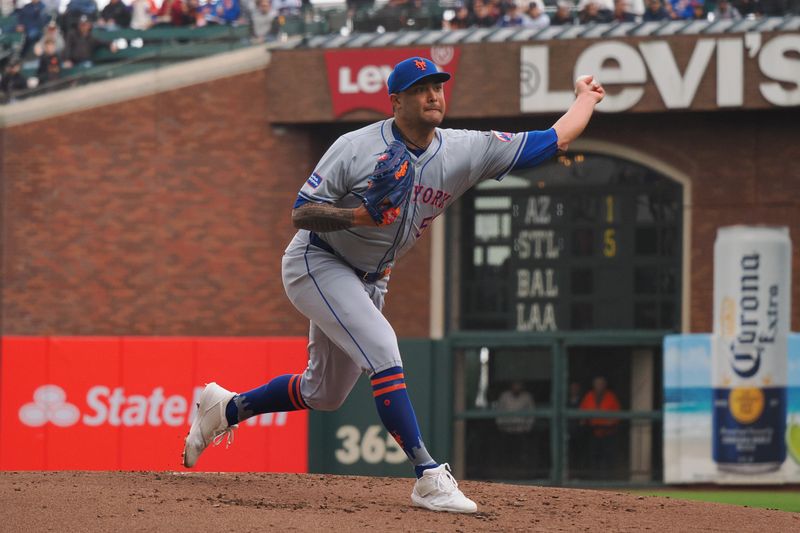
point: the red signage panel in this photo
(87, 437)
(24, 422)
(157, 386)
(357, 78)
(127, 403)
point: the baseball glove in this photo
(390, 184)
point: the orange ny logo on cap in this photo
(420, 64)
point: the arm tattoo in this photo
(322, 218)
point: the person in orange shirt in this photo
(602, 430)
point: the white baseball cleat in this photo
(210, 424)
(437, 490)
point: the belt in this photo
(368, 277)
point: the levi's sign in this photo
(730, 71)
(357, 78)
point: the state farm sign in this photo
(729, 71)
(114, 406)
(108, 403)
(357, 78)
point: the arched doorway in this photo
(566, 272)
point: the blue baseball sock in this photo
(280, 394)
(397, 415)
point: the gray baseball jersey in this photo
(349, 334)
(455, 161)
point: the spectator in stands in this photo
(515, 432)
(7, 7)
(75, 10)
(49, 64)
(51, 33)
(261, 21)
(51, 7)
(462, 18)
(699, 10)
(683, 9)
(563, 14)
(726, 11)
(593, 11)
(749, 8)
(12, 80)
(602, 431)
(81, 45)
(604, 5)
(622, 11)
(142, 14)
(223, 12)
(287, 8)
(513, 17)
(486, 15)
(539, 19)
(515, 398)
(358, 7)
(637, 8)
(655, 11)
(203, 13)
(31, 20)
(115, 15)
(173, 13)
(194, 14)
(393, 15)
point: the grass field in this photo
(781, 500)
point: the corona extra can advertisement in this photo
(753, 448)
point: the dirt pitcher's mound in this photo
(166, 501)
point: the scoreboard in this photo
(584, 242)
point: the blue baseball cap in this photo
(409, 71)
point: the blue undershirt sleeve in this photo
(539, 147)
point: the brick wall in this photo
(743, 169)
(165, 215)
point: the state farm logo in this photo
(113, 407)
(357, 78)
(49, 405)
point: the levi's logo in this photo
(357, 78)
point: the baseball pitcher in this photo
(371, 196)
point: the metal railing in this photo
(558, 413)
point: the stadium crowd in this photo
(32, 17)
(540, 14)
(61, 35)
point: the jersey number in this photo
(424, 224)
